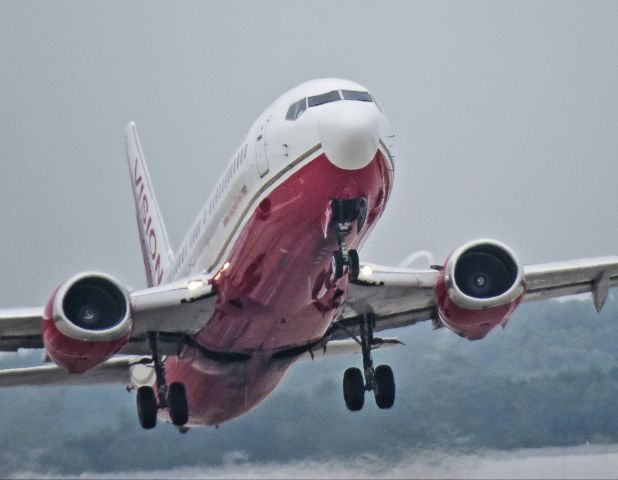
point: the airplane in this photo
(269, 274)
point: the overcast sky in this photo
(506, 115)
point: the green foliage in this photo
(549, 379)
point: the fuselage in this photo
(265, 237)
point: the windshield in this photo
(324, 98)
(354, 95)
(296, 109)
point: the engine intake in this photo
(94, 303)
(483, 274)
(485, 271)
(480, 286)
(86, 321)
(92, 307)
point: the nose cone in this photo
(349, 133)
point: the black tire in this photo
(338, 264)
(146, 407)
(353, 389)
(354, 264)
(178, 405)
(384, 386)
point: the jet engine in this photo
(86, 321)
(479, 287)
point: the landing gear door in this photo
(260, 149)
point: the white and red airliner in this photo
(269, 273)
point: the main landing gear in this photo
(174, 397)
(345, 213)
(381, 379)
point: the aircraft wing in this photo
(551, 280)
(115, 370)
(20, 328)
(399, 297)
(396, 297)
(179, 308)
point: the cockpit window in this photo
(354, 95)
(296, 109)
(324, 98)
(376, 102)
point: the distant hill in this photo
(549, 379)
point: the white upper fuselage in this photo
(348, 131)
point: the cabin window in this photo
(354, 95)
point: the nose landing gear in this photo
(345, 213)
(343, 257)
(173, 398)
(379, 380)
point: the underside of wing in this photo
(175, 309)
(334, 348)
(116, 370)
(551, 280)
(20, 328)
(394, 297)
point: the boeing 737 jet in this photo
(269, 273)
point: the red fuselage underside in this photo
(279, 291)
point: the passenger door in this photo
(260, 148)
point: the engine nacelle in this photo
(86, 321)
(479, 288)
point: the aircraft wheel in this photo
(353, 389)
(338, 263)
(178, 405)
(146, 407)
(354, 264)
(384, 386)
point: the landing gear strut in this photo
(345, 213)
(379, 380)
(173, 398)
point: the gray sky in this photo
(506, 115)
